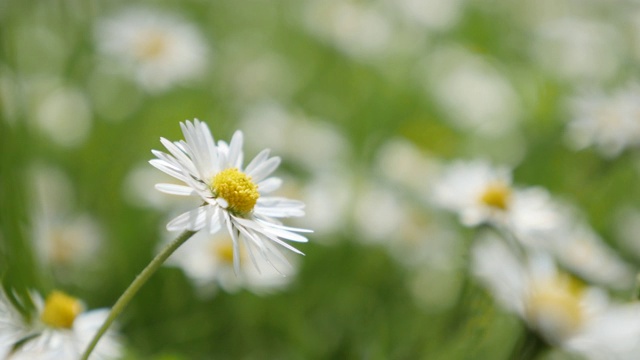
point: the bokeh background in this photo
(364, 101)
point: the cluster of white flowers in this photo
(522, 267)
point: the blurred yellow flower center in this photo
(237, 189)
(60, 310)
(496, 195)
(555, 307)
(152, 46)
(224, 251)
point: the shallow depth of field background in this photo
(363, 100)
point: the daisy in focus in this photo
(235, 197)
(566, 312)
(160, 49)
(61, 330)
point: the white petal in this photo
(264, 169)
(192, 220)
(269, 185)
(180, 156)
(174, 189)
(235, 150)
(259, 159)
(167, 169)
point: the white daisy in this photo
(62, 238)
(208, 261)
(610, 123)
(477, 191)
(543, 223)
(480, 193)
(61, 330)
(565, 312)
(160, 49)
(234, 196)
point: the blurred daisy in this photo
(313, 144)
(361, 30)
(208, 260)
(543, 223)
(476, 190)
(62, 330)
(234, 197)
(62, 238)
(565, 312)
(610, 123)
(476, 95)
(160, 49)
(575, 48)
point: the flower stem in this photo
(529, 347)
(137, 283)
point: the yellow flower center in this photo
(555, 307)
(496, 195)
(152, 46)
(60, 310)
(224, 251)
(237, 189)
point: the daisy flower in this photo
(161, 50)
(565, 312)
(477, 191)
(208, 261)
(608, 122)
(61, 330)
(235, 198)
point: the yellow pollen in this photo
(60, 310)
(555, 306)
(237, 189)
(496, 195)
(152, 46)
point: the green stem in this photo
(529, 347)
(137, 283)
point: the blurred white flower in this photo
(432, 14)
(403, 163)
(567, 313)
(160, 49)
(234, 198)
(61, 330)
(378, 212)
(610, 123)
(578, 48)
(313, 144)
(207, 259)
(475, 94)
(480, 193)
(61, 237)
(359, 30)
(328, 197)
(65, 115)
(475, 190)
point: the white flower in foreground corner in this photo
(234, 196)
(564, 311)
(61, 330)
(208, 261)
